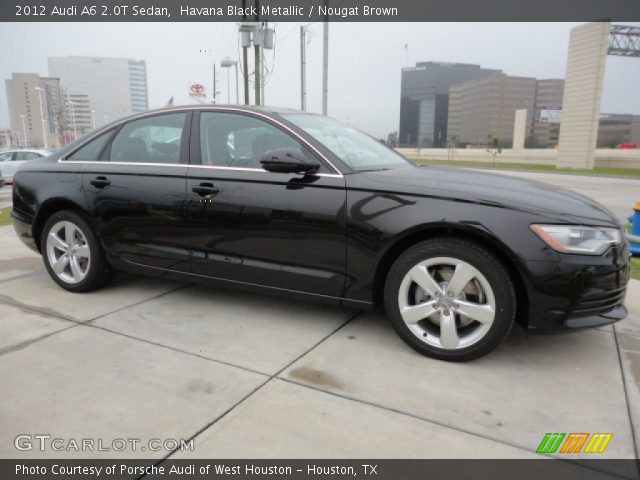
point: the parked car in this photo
(10, 160)
(308, 207)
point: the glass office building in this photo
(424, 100)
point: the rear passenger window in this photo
(154, 139)
(93, 149)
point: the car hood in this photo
(559, 204)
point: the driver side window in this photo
(234, 140)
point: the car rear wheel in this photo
(72, 254)
(450, 299)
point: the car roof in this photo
(216, 106)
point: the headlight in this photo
(575, 239)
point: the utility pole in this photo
(263, 74)
(214, 82)
(303, 69)
(325, 62)
(245, 57)
(256, 52)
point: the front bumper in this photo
(615, 315)
(578, 291)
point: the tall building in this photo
(25, 92)
(484, 108)
(78, 116)
(546, 117)
(424, 102)
(115, 87)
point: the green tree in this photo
(495, 148)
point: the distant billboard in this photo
(550, 114)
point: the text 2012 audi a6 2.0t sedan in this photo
(282, 201)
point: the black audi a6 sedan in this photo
(299, 204)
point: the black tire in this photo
(98, 271)
(479, 258)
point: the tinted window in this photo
(92, 150)
(26, 156)
(232, 140)
(5, 157)
(154, 139)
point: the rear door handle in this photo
(100, 182)
(205, 189)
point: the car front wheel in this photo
(450, 299)
(72, 254)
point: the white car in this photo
(10, 160)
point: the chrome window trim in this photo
(185, 165)
(200, 107)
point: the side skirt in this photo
(121, 265)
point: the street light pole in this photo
(73, 116)
(303, 70)
(325, 63)
(24, 132)
(237, 85)
(44, 130)
(227, 63)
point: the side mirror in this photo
(287, 160)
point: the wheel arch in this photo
(49, 208)
(481, 237)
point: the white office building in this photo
(114, 87)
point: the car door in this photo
(248, 225)
(136, 192)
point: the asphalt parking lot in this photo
(265, 377)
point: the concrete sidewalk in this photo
(265, 377)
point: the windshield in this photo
(353, 147)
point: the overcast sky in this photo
(364, 59)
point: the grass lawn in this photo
(5, 217)
(635, 268)
(532, 167)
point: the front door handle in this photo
(100, 182)
(205, 189)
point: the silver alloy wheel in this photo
(447, 303)
(68, 252)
